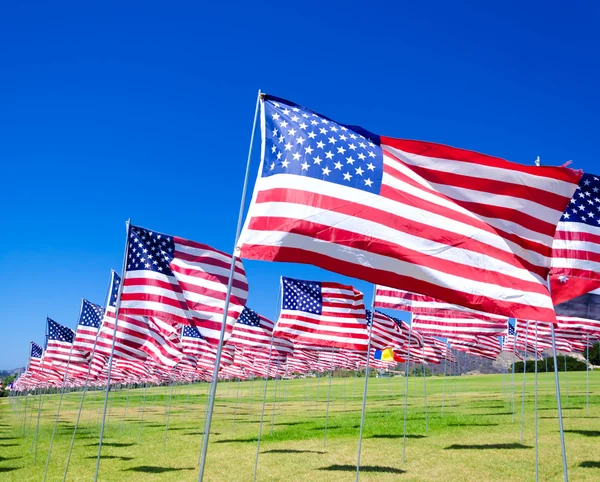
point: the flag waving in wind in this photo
(181, 282)
(462, 227)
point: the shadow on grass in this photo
(364, 468)
(237, 440)
(395, 435)
(8, 445)
(151, 469)
(492, 414)
(587, 433)
(291, 451)
(290, 423)
(2, 459)
(7, 438)
(590, 464)
(8, 469)
(488, 447)
(110, 457)
(112, 444)
(201, 433)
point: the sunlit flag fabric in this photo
(35, 357)
(192, 343)
(322, 314)
(181, 282)
(576, 248)
(463, 227)
(137, 337)
(90, 319)
(390, 332)
(59, 344)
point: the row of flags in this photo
(461, 240)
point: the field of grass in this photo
(476, 438)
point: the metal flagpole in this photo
(566, 380)
(406, 391)
(37, 424)
(277, 378)
(125, 409)
(587, 373)
(364, 402)
(537, 448)
(425, 392)
(387, 398)
(142, 417)
(558, 401)
(211, 400)
(262, 412)
(237, 392)
(328, 397)
(444, 382)
(317, 395)
(112, 351)
(169, 411)
(62, 391)
(524, 368)
(513, 371)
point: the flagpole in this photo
(558, 401)
(169, 411)
(514, 353)
(87, 378)
(211, 401)
(237, 394)
(587, 373)
(328, 396)
(566, 380)
(444, 382)
(524, 371)
(37, 425)
(425, 391)
(277, 378)
(125, 409)
(407, 369)
(262, 412)
(62, 391)
(142, 417)
(537, 448)
(112, 349)
(364, 402)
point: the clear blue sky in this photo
(145, 111)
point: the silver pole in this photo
(406, 391)
(168, 412)
(425, 392)
(62, 391)
(566, 380)
(112, 350)
(125, 409)
(237, 392)
(587, 373)
(364, 402)
(513, 372)
(142, 417)
(444, 382)
(277, 378)
(37, 425)
(328, 397)
(262, 412)
(560, 417)
(524, 371)
(211, 401)
(537, 448)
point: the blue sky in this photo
(144, 110)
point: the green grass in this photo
(476, 439)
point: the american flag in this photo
(90, 318)
(192, 343)
(455, 326)
(59, 345)
(253, 331)
(576, 247)
(181, 282)
(35, 358)
(322, 314)
(484, 346)
(138, 337)
(390, 332)
(463, 227)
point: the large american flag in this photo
(322, 314)
(35, 357)
(181, 282)
(90, 318)
(576, 248)
(463, 227)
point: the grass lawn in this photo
(475, 439)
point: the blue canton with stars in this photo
(149, 250)
(511, 329)
(302, 295)
(370, 317)
(249, 317)
(115, 282)
(36, 350)
(91, 314)
(59, 332)
(585, 203)
(192, 332)
(300, 142)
